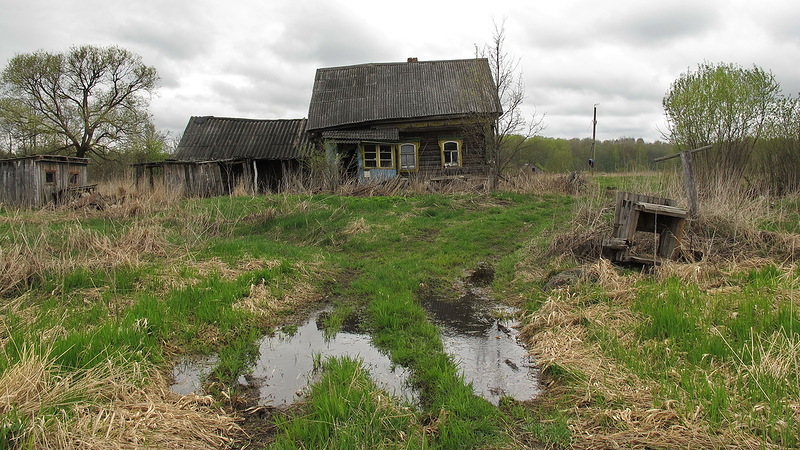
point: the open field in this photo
(96, 306)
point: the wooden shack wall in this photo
(207, 179)
(430, 153)
(63, 173)
(192, 179)
(23, 182)
(18, 183)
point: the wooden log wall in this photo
(430, 153)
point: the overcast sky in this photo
(257, 59)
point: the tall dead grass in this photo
(614, 407)
(728, 225)
(38, 252)
(106, 406)
(611, 406)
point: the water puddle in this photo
(286, 361)
(482, 338)
(189, 374)
(475, 330)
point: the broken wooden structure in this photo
(35, 181)
(218, 155)
(644, 213)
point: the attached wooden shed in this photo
(34, 181)
(217, 155)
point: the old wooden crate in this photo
(644, 213)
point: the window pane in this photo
(408, 156)
(370, 155)
(450, 153)
(386, 160)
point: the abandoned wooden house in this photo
(429, 119)
(35, 181)
(217, 155)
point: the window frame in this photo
(400, 146)
(76, 176)
(378, 160)
(459, 144)
(52, 174)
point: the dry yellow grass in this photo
(357, 226)
(107, 406)
(46, 250)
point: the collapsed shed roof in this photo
(209, 138)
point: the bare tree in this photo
(511, 128)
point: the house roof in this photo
(211, 138)
(356, 95)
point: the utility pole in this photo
(594, 135)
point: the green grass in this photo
(731, 355)
(346, 410)
(388, 247)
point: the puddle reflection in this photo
(484, 347)
(285, 364)
(189, 374)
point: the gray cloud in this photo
(662, 22)
(330, 35)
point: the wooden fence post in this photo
(688, 176)
(688, 182)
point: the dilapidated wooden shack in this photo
(217, 155)
(429, 119)
(35, 181)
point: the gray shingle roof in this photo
(361, 94)
(379, 134)
(215, 138)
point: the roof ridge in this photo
(393, 63)
(242, 119)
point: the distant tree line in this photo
(566, 155)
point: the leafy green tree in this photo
(724, 105)
(90, 98)
(777, 156)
